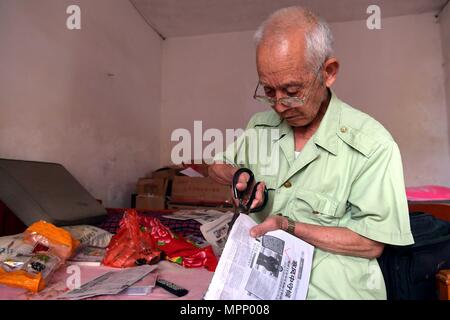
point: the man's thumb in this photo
(255, 231)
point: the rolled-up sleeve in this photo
(378, 198)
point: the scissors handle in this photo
(252, 197)
(237, 193)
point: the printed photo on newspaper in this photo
(276, 266)
(216, 232)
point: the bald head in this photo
(299, 29)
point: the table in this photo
(196, 280)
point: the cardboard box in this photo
(154, 186)
(150, 202)
(201, 191)
(167, 172)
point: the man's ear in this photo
(331, 68)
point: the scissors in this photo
(245, 197)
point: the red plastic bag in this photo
(153, 239)
(177, 249)
(132, 245)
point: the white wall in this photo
(207, 78)
(444, 21)
(88, 99)
(394, 74)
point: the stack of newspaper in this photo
(114, 282)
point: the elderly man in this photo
(338, 182)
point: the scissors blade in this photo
(237, 212)
(231, 223)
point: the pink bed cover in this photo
(195, 280)
(428, 193)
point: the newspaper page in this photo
(216, 232)
(113, 282)
(276, 266)
(201, 216)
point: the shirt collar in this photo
(326, 135)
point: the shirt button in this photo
(343, 129)
(287, 184)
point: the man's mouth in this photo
(291, 117)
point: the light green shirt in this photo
(349, 174)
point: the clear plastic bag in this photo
(30, 271)
(90, 236)
(34, 258)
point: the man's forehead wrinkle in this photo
(277, 36)
(283, 46)
(291, 47)
(281, 54)
(280, 71)
(281, 58)
(281, 79)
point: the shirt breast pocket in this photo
(316, 208)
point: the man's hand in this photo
(271, 223)
(223, 173)
(242, 185)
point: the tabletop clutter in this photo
(28, 260)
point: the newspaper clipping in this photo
(276, 266)
(214, 226)
(216, 232)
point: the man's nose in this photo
(278, 106)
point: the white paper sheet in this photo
(276, 266)
(113, 282)
(192, 173)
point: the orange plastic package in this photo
(45, 248)
(57, 240)
(22, 279)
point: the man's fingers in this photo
(261, 229)
(259, 197)
(242, 181)
(270, 224)
(257, 231)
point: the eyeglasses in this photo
(291, 102)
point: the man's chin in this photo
(296, 121)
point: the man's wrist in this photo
(287, 224)
(291, 226)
